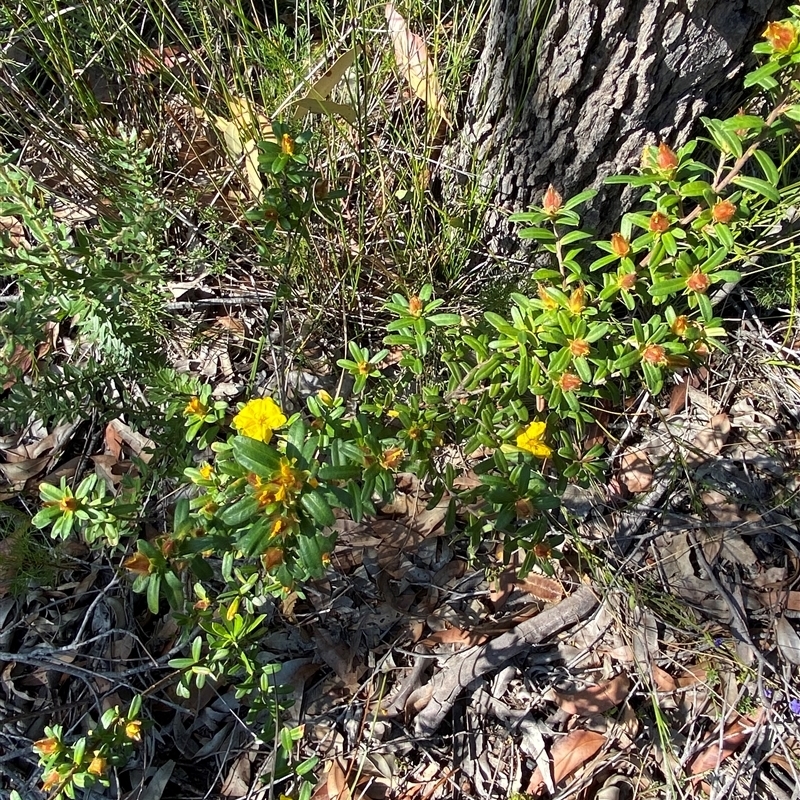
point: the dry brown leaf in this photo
(454, 636)
(140, 446)
(595, 699)
(568, 754)
(413, 61)
(736, 732)
(710, 440)
(720, 507)
(697, 673)
(542, 588)
(635, 473)
(663, 680)
(316, 99)
(113, 442)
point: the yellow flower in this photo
(324, 398)
(287, 145)
(133, 730)
(97, 767)
(196, 407)
(259, 418)
(68, 504)
(206, 471)
(530, 440)
(392, 414)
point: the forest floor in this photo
(661, 659)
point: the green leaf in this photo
(238, 513)
(539, 234)
(667, 287)
(724, 234)
(694, 189)
(757, 185)
(153, 592)
(255, 456)
(585, 195)
(768, 167)
(444, 319)
(339, 473)
(318, 508)
(727, 275)
(574, 236)
(758, 76)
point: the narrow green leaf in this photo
(758, 186)
(318, 508)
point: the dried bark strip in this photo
(460, 670)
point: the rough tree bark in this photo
(578, 103)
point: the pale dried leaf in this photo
(787, 640)
(568, 754)
(720, 507)
(710, 440)
(321, 89)
(595, 699)
(411, 56)
(635, 473)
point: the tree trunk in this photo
(578, 103)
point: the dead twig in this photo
(460, 670)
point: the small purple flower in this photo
(718, 641)
(768, 693)
(794, 706)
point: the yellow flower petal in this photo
(259, 418)
(530, 440)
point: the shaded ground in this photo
(659, 661)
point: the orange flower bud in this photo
(577, 300)
(654, 354)
(569, 382)
(782, 36)
(138, 563)
(723, 211)
(551, 203)
(698, 282)
(620, 246)
(392, 457)
(51, 780)
(659, 223)
(700, 349)
(579, 347)
(201, 605)
(542, 550)
(97, 766)
(47, 746)
(272, 557)
(287, 145)
(548, 301)
(680, 326)
(414, 306)
(666, 158)
(627, 281)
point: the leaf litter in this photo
(410, 649)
